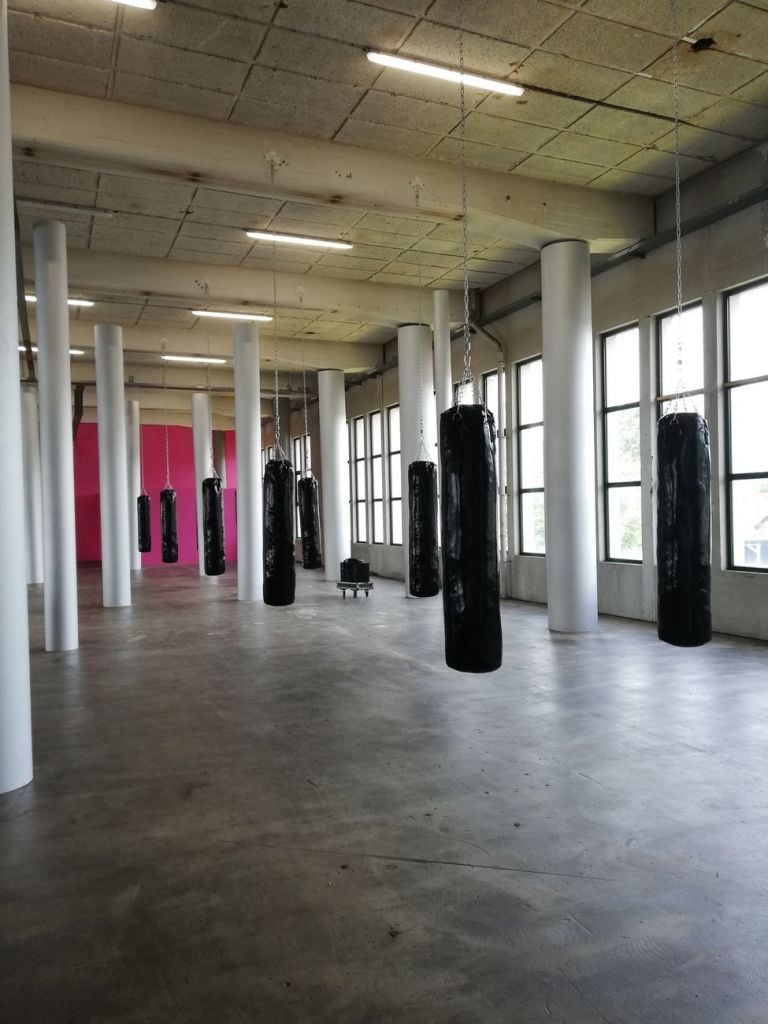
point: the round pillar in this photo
(334, 457)
(133, 457)
(201, 440)
(250, 567)
(33, 492)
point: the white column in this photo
(58, 474)
(133, 457)
(15, 716)
(113, 472)
(33, 493)
(417, 405)
(250, 568)
(201, 439)
(334, 455)
(442, 347)
(569, 437)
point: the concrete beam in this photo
(81, 131)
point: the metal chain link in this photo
(279, 452)
(467, 379)
(417, 187)
(680, 401)
(206, 289)
(300, 294)
(165, 402)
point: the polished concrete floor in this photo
(251, 814)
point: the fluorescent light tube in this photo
(70, 302)
(418, 67)
(212, 360)
(313, 243)
(145, 5)
(72, 351)
(214, 314)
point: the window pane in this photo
(693, 403)
(690, 375)
(375, 433)
(395, 483)
(362, 533)
(622, 442)
(360, 492)
(533, 523)
(531, 392)
(359, 437)
(377, 478)
(378, 522)
(394, 428)
(307, 452)
(397, 523)
(532, 457)
(749, 516)
(297, 453)
(625, 536)
(491, 395)
(747, 350)
(749, 421)
(622, 367)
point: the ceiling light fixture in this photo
(214, 314)
(70, 302)
(145, 5)
(72, 351)
(313, 243)
(194, 359)
(418, 67)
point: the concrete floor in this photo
(251, 814)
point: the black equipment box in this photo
(354, 570)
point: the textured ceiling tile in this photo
(576, 77)
(401, 6)
(388, 277)
(345, 19)
(255, 10)
(741, 29)
(81, 12)
(477, 279)
(634, 129)
(415, 257)
(418, 271)
(501, 131)
(537, 108)
(138, 222)
(47, 73)
(491, 158)
(400, 83)
(56, 194)
(587, 150)
(319, 214)
(296, 120)
(48, 38)
(404, 112)
(527, 22)
(661, 164)
(319, 58)
(281, 267)
(707, 70)
(441, 44)
(437, 245)
(272, 86)
(27, 172)
(387, 137)
(607, 43)
(747, 119)
(493, 266)
(376, 237)
(454, 232)
(227, 218)
(169, 64)
(139, 243)
(192, 256)
(186, 99)
(378, 252)
(395, 225)
(119, 313)
(558, 170)
(147, 188)
(219, 199)
(210, 245)
(703, 143)
(195, 30)
(288, 226)
(165, 315)
(651, 95)
(285, 254)
(617, 180)
(655, 15)
(350, 275)
(755, 91)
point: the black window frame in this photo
(374, 459)
(357, 501)
(521, 491)
(390, 452)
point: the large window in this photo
(395, 481)
(530, 455)
(359, 482)
(377, 478)
(681, 358)
(747, 419)
(621, 445)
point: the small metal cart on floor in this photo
(355, 576)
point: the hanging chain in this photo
(680, 401)
(418, 185)
(467, 379)
(167, 456)
(279, 452)
(211, 456)
(303, 467)
(141, 457)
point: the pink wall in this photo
(182, 479)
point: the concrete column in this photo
(250, 568)
(569, 437)
(58, 475)
(15, 715)
(133, 476)
(334, 454)
(219, 446)
(417, 404)
(201, 439)
(33, 493)
(116, 534)
(442, 348)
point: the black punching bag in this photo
(145, 529)
(168, 530)
(213, 527)
(423, 567)
(279, 564)
(309, 523)
(470, 560)
(683, 530)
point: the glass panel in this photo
(749, 518)
(531, 392)
(747, 350)
(377, 478)
(378, 522)
(362, 532)
(625, 524)
(375, 433)
(397, 523)
(394, 428)
(749, 422)
(693, 403)
(622, 442)
(533, 523)
(491, 395)
(297, 454)
(360, 488)
(532, 457)
(690, 376)
(307, 452)
(622, 367)
(359, 437)
(395, 483)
